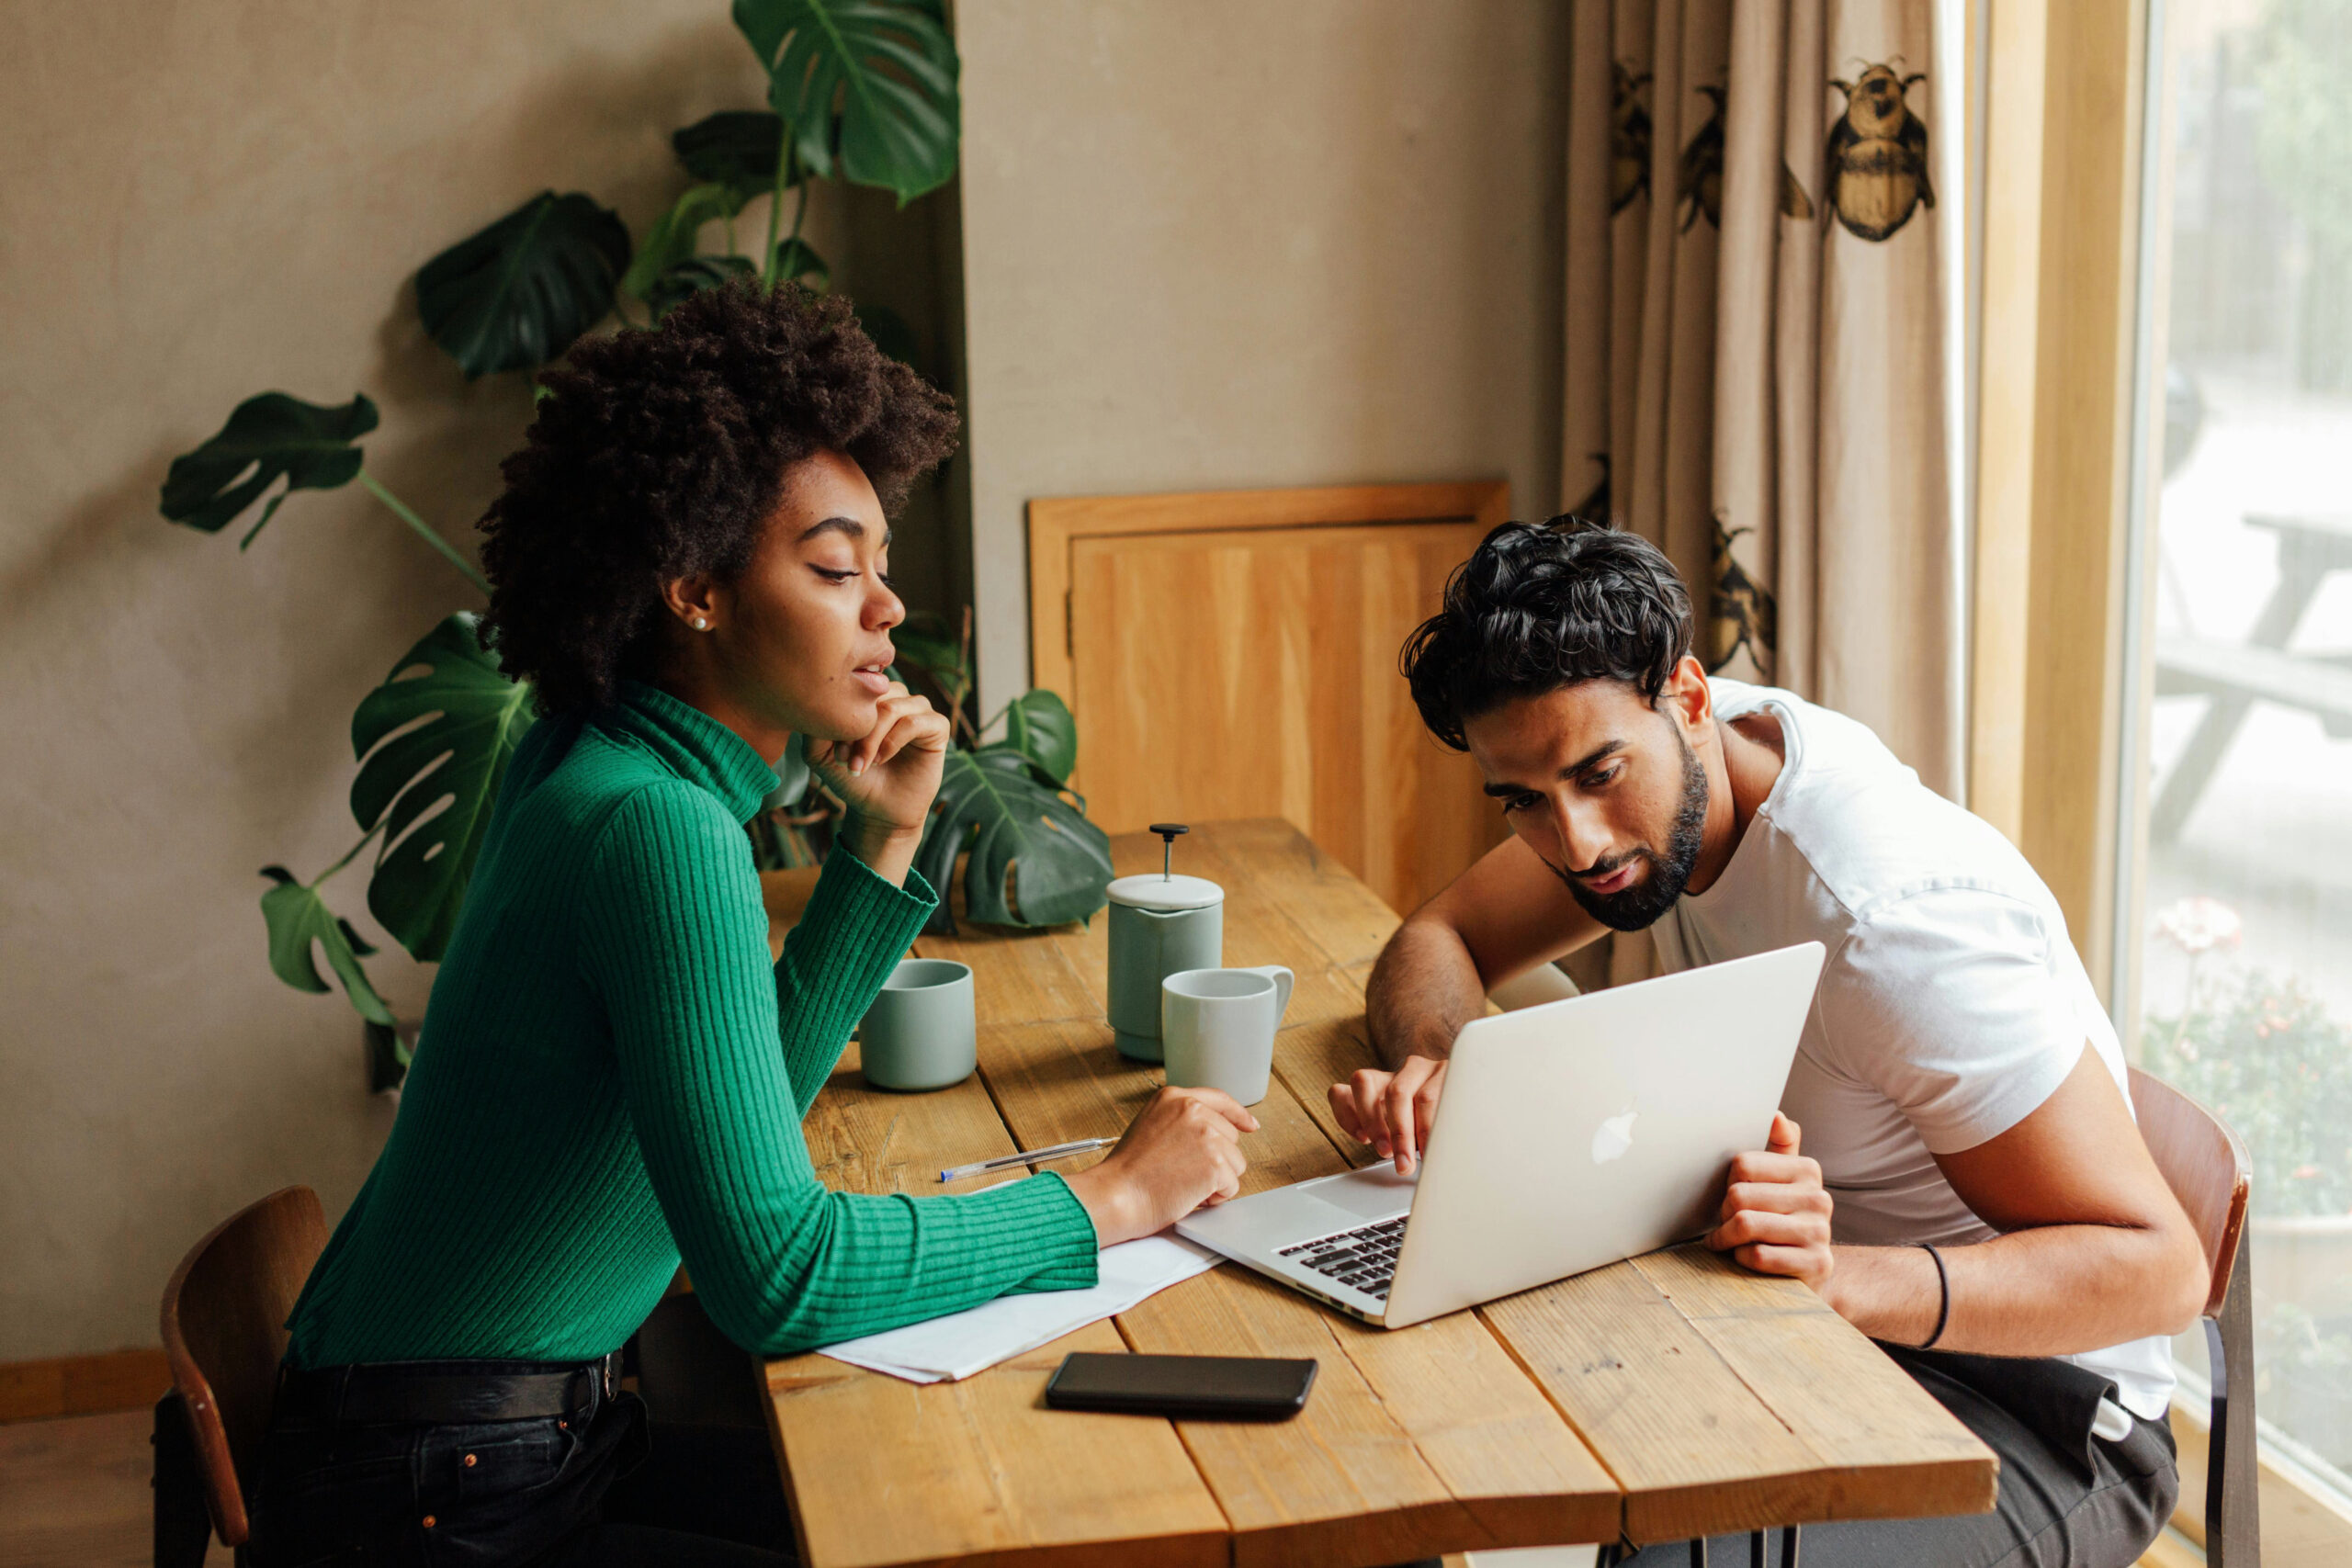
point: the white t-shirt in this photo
(1951, 1004)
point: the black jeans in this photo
(599, 1486)
(2067, 1500)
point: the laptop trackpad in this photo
(1375, 1193)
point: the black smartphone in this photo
(1228, 1388)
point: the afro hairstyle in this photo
(661, 452)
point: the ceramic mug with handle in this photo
(1217, 1028)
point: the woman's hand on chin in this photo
(888, 778)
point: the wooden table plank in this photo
(1413, 1443)
(1425, 1441)
(1282, 867)
(1725, 1401)
(1695, 1450)
(887, 1472)
(863, 1139)
(1019, 979)
(1500, 1452)
(980, 1471)
(1836, 1391)
(1310, 1057)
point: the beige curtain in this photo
(1755, 333)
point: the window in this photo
(2236, 940)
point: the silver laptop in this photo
(1571, 1134)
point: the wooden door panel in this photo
(1253, 672)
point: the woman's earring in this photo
(699, 623)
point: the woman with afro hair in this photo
(689, 565)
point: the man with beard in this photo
(1955, 1168)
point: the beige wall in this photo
(205, 200)
(1228, 244)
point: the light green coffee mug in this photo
(1218, 1028)
(920, 1033)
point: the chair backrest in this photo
(2205, 1166)
(224, 1315)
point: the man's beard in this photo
(1639, 907)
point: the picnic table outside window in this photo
(2236, 675)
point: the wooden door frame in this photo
(1057, 522)
(2057, 295)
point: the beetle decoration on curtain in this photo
(1755, 373)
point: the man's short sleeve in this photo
(1952, 1004)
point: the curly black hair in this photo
(658, 453)
(1540, 606)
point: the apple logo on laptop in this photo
(1614, 1136)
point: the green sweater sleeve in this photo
(852, 934)
(675, 941)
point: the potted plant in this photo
(859, 90)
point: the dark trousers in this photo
(2068, 1498)
(599, 1486)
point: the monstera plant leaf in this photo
(1020, 830)
(886, 68)
(1038, 725)
(691, 277)
(298, 918)
(671, 238)
(267, 436)
(797, 261)
(473, 717)
(738, 149)
(518, 293)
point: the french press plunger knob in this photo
(1168, 831)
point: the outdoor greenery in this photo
(859, 90)
(2303, 57)
(2267, 1059)
(2263, 1055)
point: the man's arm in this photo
(1502, 918)
(2097, 1250)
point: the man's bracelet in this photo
(1943, 1284)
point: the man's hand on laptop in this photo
(1776, 1212)
(1392, 1112)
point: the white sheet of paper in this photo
(947, 1349)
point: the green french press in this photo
(1159, 926)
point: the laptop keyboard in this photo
(1363, 1259)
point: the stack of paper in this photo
(957, 1346)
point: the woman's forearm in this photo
(853, 932)
(888, 851)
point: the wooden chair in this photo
(224, 1314)
(2206, 1166)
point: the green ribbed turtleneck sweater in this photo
(612, 1076)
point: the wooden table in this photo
(1657, 1399)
